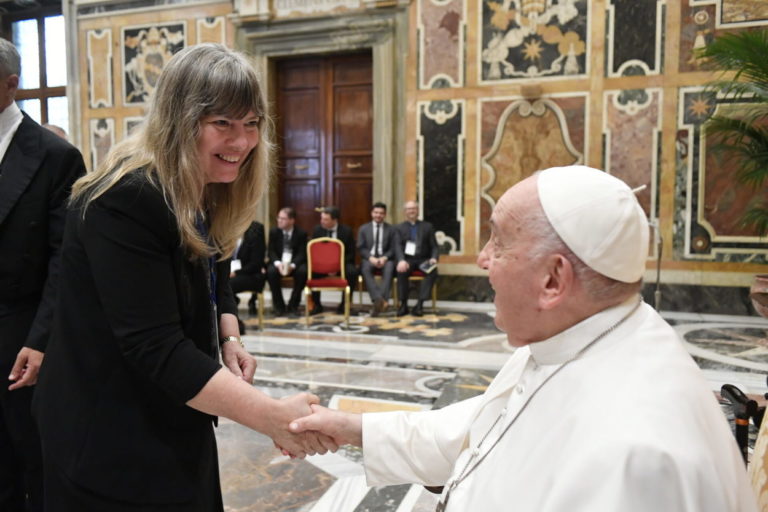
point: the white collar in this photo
(9, 117)
(564, 345)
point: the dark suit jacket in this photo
(426, 243)
(251, 253)
(365, 241)
(36, 176)
(343, 233)
(133, 341)
(298, 246)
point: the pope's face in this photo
(223, 145)
(511, 270)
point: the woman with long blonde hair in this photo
(131, 383)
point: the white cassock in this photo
(630, 425)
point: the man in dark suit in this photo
(287, 256)
(36, 174)
(250, 275)
(331, 227)
(416, 245)
(376, 242)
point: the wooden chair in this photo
(376, 273)
(326, 256)
(258, 297)
(418, 275)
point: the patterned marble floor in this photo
(382, 364)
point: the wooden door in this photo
(325, 136)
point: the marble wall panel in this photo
(130, 123)
(98, 45)
(631, 131)
(519, 137)
(442, 28)
(441, 167)
(703, 20)
(709, 200)
(102, 139)
(212, 29)
(146, 49)
(533, 39)
(634, 48)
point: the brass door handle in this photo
(302, 167)
(354, 165)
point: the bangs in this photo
(233, 93)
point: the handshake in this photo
(303, 427)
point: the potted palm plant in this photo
(743, 58)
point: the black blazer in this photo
(133, 340)
(252, 249)
(298, 246)
(365, 241)
(426, 243)
(36, 176)
(343, 233)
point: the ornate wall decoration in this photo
(702, 20)
(533, 39)
(440, 129)
(520, 137)
(632, 141)
(709, 201)
(129, 124)
(634, 48)
(102, 139)
(146, 49)
(212, 30)
(98, 45)
(442, 28)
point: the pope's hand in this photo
(342, 427)
(301, 443)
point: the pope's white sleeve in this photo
(415, 447)
(642, 478)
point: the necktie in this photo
(413, 232)
(286, 239)
(376, 231)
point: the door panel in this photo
(300, 114)
(353, 119)
(325, 136)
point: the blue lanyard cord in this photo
(203, 230)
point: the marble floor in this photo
(409, 363)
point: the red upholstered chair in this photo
(326, 256)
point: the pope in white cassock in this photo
(600, 408)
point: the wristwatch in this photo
(232, 338)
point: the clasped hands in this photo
(326, 427)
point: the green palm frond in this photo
(757, 218)
(745, 52)
(743, 137)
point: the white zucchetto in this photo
(599, 219)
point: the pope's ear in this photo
(557, 281)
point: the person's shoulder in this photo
(134, 193)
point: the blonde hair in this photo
(199, 81)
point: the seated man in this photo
(287, 257)
(329, 226)
(600, 407)
(249, 265)
(416, 249)
(376, 243)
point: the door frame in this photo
(385, 33)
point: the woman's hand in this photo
(238, 360)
